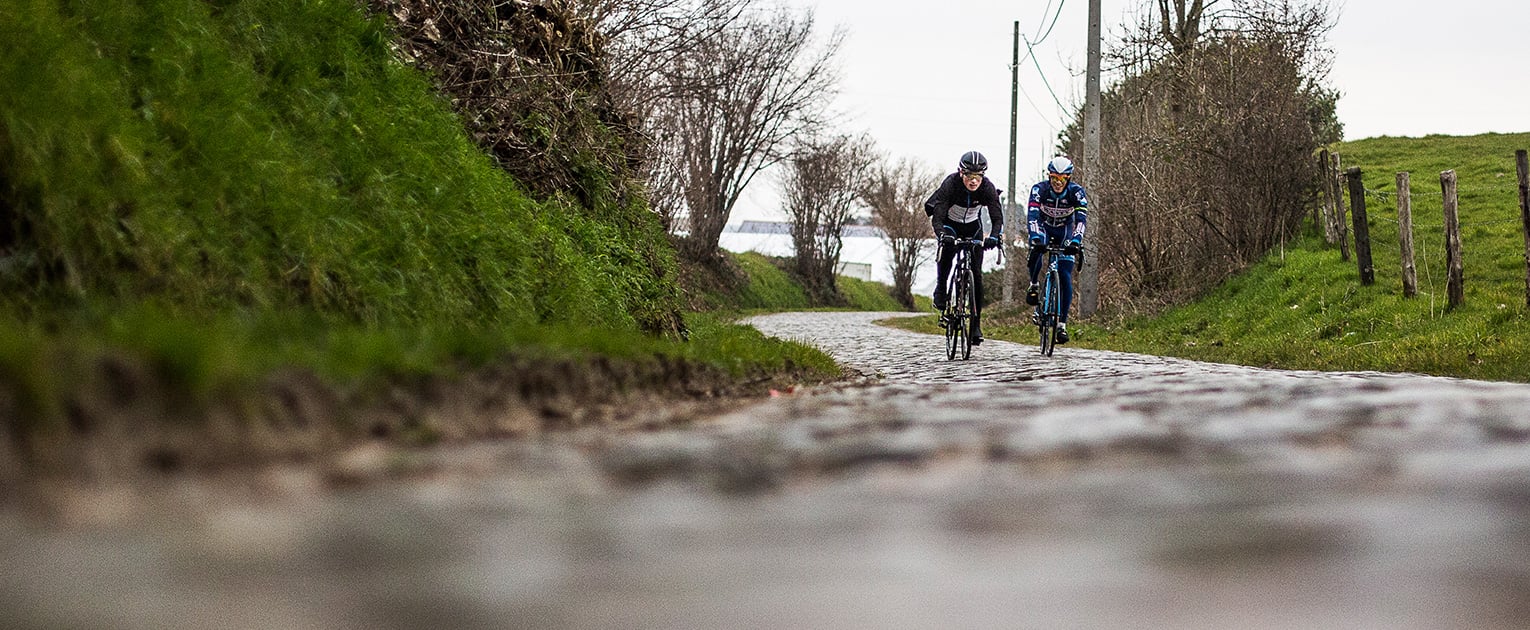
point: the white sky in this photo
(931, 80)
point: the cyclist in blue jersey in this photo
(954, 213)
(1057, 213)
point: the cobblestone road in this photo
(1091, 489)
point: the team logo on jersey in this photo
(1056, 212)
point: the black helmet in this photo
(973, 162)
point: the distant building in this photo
(778, 227)
(858, 270)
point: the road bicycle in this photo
(961, 305)
(1049, 304)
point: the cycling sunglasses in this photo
(972, 174)
(1056, 177)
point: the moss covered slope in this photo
(274, 155)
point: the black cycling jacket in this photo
(953, 203)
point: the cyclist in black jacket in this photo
(954, 212)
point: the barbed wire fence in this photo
(1332, 212)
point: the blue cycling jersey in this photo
(1053, 210)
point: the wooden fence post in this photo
(1362, 227)
(1454, 280)
(1336, 186)
(1523, 165)
(1322, 215)
(1405, 235)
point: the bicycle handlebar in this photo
(967, 243)
(1053, 251)
(1058, 248)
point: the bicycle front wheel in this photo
(1051, 303)
(1046, 337)
(953, 334)
(969, 303)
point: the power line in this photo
(1048, 8)
(1043, 36)
(1030, 55)
(1044, 80)
(1056, 15)
(1027, 96)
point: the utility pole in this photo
(1011, 217)
(1089, 280)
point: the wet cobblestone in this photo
(1008, 401)
(1089, 489)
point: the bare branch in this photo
(738, 99)
(820, 199)
(1207, 142)
(895, 192)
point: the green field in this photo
(1304, 307)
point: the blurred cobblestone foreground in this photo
(1090, 489)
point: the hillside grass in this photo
(1303, 307)
(270, 155)
(767, 286)
(220, 190)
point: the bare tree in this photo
(1176, 27)
(644, 37)
(819, 189)
(514, 70)
(743, 95)
(1207, 142)
(1181, 27)
(895, 192)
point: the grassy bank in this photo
(196, 198)
(1304, 307)
(269, 155)
(766, 285)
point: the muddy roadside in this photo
(126, 427)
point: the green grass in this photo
(768, 287)
(1304, 307)
(1309, 311)
(197, 367)
(275, 155)
(219, 190)
(864, 295)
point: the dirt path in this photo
(1090, 489)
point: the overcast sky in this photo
(932, 80)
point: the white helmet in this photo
(1060, 165)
